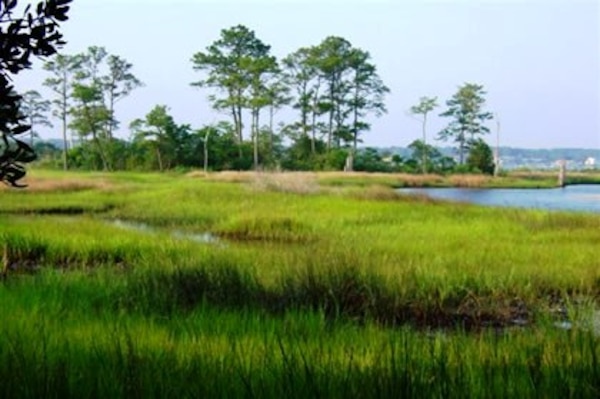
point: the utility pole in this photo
(562, 172)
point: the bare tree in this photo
(425, 105)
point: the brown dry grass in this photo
(469, 180)
(226, 176)
(537, 175)
(420, 180)
(376, 192)
(311, 182)
(38, 184)
(392, 179)
(289, 182)
(308, 182)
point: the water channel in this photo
(581, 198)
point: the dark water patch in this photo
(69, 210)
(58, 210)
(23, 266)
(32, 259)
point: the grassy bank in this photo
(244, 285)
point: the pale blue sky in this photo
(538, 60)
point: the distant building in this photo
(590, 163)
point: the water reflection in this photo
(204, 238)
(584, 198)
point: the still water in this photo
(583, 198)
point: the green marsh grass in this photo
(89, 350)
(352, 292)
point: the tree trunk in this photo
(240, 131)
(206, 152)
(64, 104)
(31, 132)
(349, 166)
(425, 143)
(111, 113)
(497, 151)
(105, 165)
(562, 172)
(355, 131)
(304, 120)
(255, 136)
(461, 147)
(313, 139)
(65, 146)
(159, 158)
(97, 141)
(236, 124)
(331, 117)
(339, 124)
(238, 110)
(271, 133)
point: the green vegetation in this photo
(468, 118)
(229, 285)
(333, 88)
(24, 33)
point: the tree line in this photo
(333, 89)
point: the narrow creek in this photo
(202, 238)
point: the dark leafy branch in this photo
(34, 33)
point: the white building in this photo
(590, 162)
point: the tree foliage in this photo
(333, 85)
(302, 79)
(468, 117)
(480, 157)
(367, 93)
(99, 81)
(118, 83)
(436, 161)
(35, 109)
(90, 118)
(35, 33)
(159, 129)
(239, 67)
(62, 69)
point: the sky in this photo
(538, 61)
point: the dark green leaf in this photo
(21, 129)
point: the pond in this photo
(582, 198)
